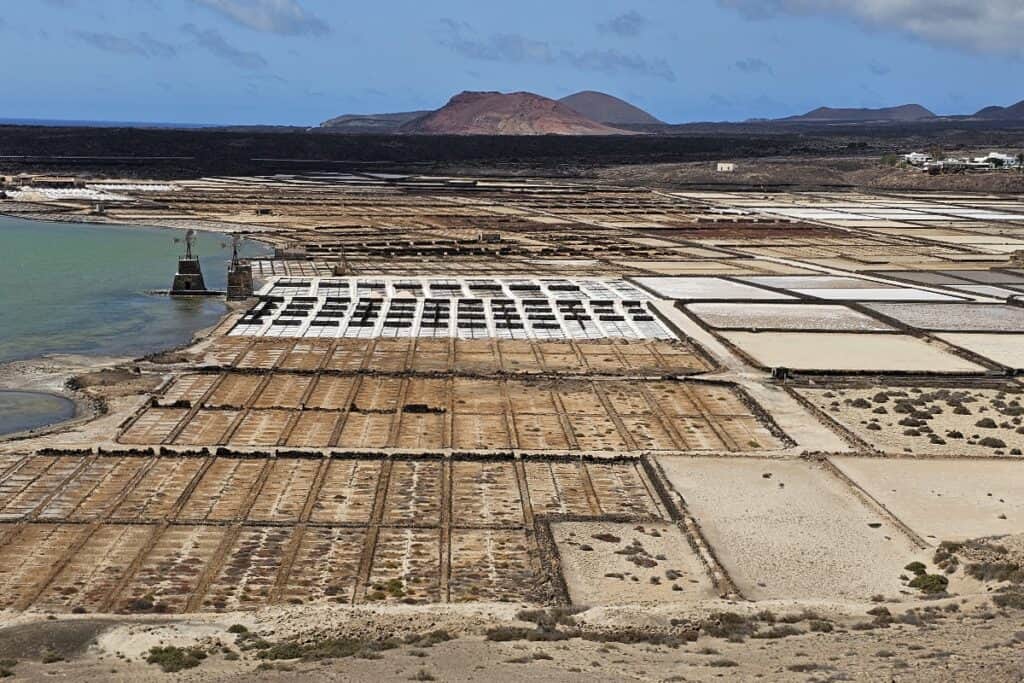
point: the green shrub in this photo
(1009, 599)
(996, 571)
(171, 658)
(722, 663)
(930, 583)
(781, 631)
(509, 633)
(429, 639)
(728, 624)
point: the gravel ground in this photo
(615, 563)
(929, 421)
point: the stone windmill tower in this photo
(239, 274)
(189, 278)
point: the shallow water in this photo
(21, 410)
(74, 288)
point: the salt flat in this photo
(819, 317)
(1005, 349)
(825, 351)
(697, 288)
(945, 500)
(787, 529)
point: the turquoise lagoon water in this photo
(75, 288)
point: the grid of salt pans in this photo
(470, 308)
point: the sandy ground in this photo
(935, 428)
(944, 500)
(970, 643)
(788, 529)
(612, 563)
(49, 374)
(843, 351)
(1005, 349)
(110, 392)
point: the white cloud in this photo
(142, 44)
(286, 17)
(514, 48)
(213, 42)
(993, 26)
(627, 25)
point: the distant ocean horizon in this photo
(85, 123)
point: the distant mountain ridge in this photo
(371, 123)
(595, 113)
(604, 108)
(495, 113)
(905, 112)
(1015, 112)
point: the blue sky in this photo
(302, 61)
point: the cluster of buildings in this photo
(994, 161)
(40, 181)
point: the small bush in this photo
(1009, 599)
(728, 624)
(171, 658)
(808, 667)
(429, 639)
(627, 635)
(930, 583)
(510, 633)
(819, 626)
(996, 571)
(722, 663)
(237, 628)
(916, 568)
(526, 659)
(781, 631)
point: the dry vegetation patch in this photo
(924, 420)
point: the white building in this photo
(998, 160)
(725, 167)
(917, 158)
